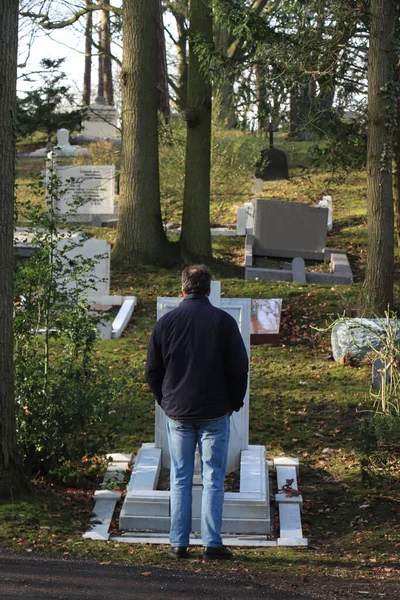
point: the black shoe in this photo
(217, 553)
(177, 552)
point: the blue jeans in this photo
(212, 438)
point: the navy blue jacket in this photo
(197, 363)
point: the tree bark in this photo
(11, 478)
(87, 76)
(140, 233)
(378, 285)
(261, 99)
(105, 54)
(162, 71)
(396, 143)
(180, 15)
(195, 235)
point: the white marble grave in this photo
(245, 512)
(93, 187)
(62, 148)
(101, 122)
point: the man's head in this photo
(196, 279)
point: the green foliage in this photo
(41, 108)
(64, 392)
(344, 148)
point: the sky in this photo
(65, 43)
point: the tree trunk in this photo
(105, 55)
(181, 56)
(196, 235)
(162, 71)
(11, 478)
(396, 140)
(140, 233)
(261, 99)
(87, 76)
(378, 285)
(227, 115)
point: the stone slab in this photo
(241, 218)
(123, 317)
(286, 461)
(357, 337)
(162, 538)
(288, 229)
(299, 270)
(118, 457)
(265, 320)
(103, 511)
(290, 521)
(254, 273)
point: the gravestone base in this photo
(245, 512)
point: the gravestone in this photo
(91, 187)
(272, 166)
(147, 509)
(258, 185)
(289, 229)
(94, 250)
(265, 320)
(62, 148)
(299, 270)
(100, 122)
(326, 202)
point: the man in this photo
(197, 369)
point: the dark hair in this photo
(196, 279)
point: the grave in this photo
(98, 295)
(244, 219)
(63, 147)
(146, 509)
(92, 188)
(265, 321)
(326, 202)
(273, 164)
(297, 231)
(100, 122)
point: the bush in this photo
(64, 390)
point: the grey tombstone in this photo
(299, 270)
(289, 229)
(379, 373)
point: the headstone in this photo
(289, 229)
(93, 187)
(62, 148)
(265, 320)
(380, 373)
(99, 252)
(100, 122)
(258, 185)
(241, 218)
(272, 165)
(356, 337)
(249, 206)
(299, 270)
(326, 202)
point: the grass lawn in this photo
(302, 403)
